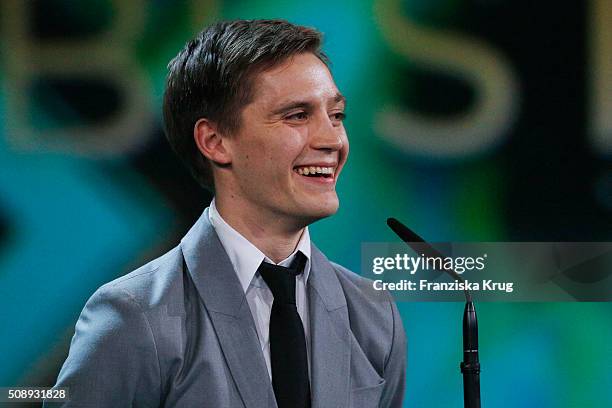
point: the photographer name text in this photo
(426, 285)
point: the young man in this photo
(246, 312)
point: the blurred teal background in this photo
(469, 120)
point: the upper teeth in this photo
(306, 170)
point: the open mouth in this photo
(315, 171)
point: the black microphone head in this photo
(405, 233)
(419, 245)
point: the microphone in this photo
(470, 366)
(418, 244)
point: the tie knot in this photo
(281, 279)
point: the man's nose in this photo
(327, 135)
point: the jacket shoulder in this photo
(360, 290)
(113, 358)
(153, 283)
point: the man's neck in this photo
(269, 233)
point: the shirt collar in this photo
(246, 257)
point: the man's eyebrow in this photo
(287, 106)
(339, 98)
(293, 105)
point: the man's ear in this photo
(210, 142)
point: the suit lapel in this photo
(330, 335)
(220, 290)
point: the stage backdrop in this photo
(469, 120)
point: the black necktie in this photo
(287, 341)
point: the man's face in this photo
(292, 128)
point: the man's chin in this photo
(318, 212)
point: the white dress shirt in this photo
(246, 258)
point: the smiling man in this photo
(246, 311)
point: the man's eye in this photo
(297, 116)
(340, 116)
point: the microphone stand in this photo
(470, 366)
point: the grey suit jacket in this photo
(178, 332)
